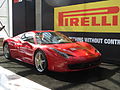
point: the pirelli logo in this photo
(101, 16)
(88, 17)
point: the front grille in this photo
(83, 65)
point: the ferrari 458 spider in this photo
(50, 50)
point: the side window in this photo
(46, 37)
(29, 37)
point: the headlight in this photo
(97, 51)
(61, 53)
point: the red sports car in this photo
(50, 50)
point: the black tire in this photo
(40, 62)
(6, 51)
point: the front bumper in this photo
(83, 65)
(76, 64)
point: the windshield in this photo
(51, 38)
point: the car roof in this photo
(42, 31)
(34, 32)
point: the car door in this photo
(14, 46)
(27, 46)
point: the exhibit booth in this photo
(93, 21)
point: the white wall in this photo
(6, 17)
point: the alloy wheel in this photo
(40, 61)
(6, 51)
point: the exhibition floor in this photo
(105, 77)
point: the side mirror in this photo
(1, 28)
(73, 40)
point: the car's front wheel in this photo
(40, 61)
(6, 51)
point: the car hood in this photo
(75, 49)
